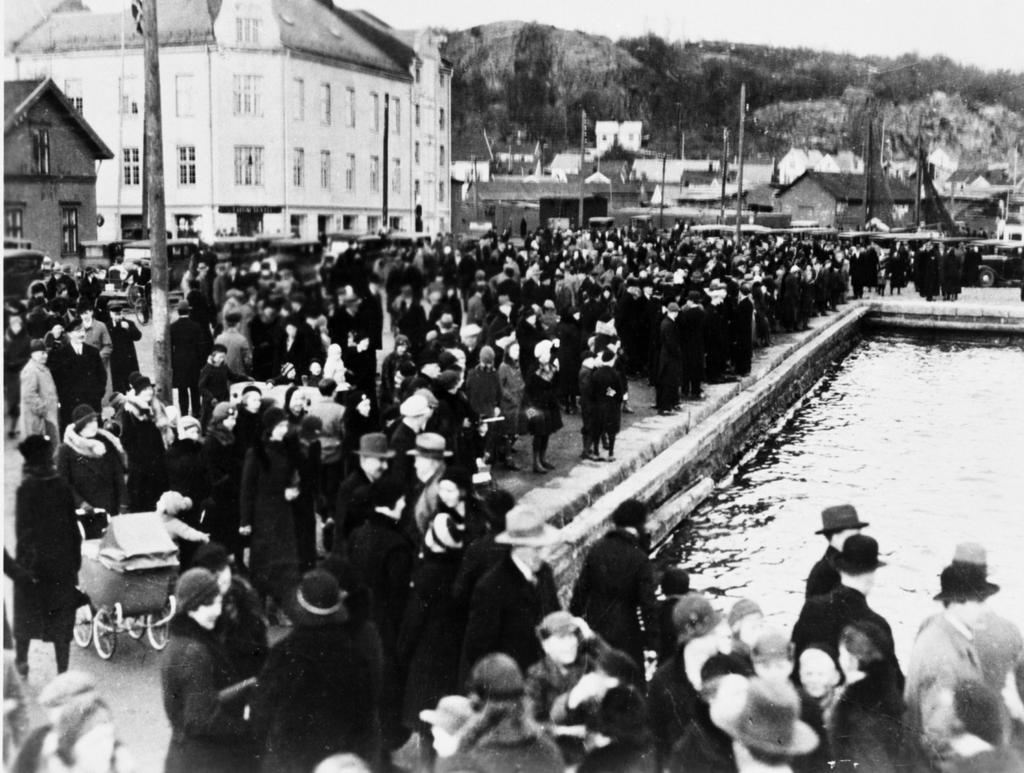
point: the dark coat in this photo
(188, 352)
(673, 703)
(824, 576)
(123, 359)
(704, 747)
(615, 588)
(866, 725)
(691, 321)
(80, 378)
(479, 558)
(353, 506)
(670, 355)
(274, 560)
(206, 735)
(243, 628)
(743, 336)
(317, 696)
(147, 464)
(619, 757)
(543, 397)
(607, 389)
(503, 613)
(403, 440)
(265, 337)
(96, 478)
(430, 640)
(504, 748)
(48, 549)
(186, 474)
(823, 618)
(222, 468)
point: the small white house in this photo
(627, 134)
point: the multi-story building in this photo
(50, 160)
(278, 115)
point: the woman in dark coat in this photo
(269, 486)
(607, 390)
(570, 356)
(49, 552)
(223, 469)
(144, 445)
(316, 691)
(91, 460)
(186, 474)
(541, 405)
(208, 733)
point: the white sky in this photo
(986, 33)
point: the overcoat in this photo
(274, 560)
(123, 359)
(94, 469)
(38, 401)
(866, 725)
(147, 463)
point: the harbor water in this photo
(923, 435)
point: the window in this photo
(325, 169)
(396, 175)
(373, 223)
(441, 156)
(350, 222)
(350, 172)
(14, 222)
(299, 100)
(40, 151)
(442, 79)
(183, 95)
(396, 117)
(440, 191)
(374, 173)
(440, 118)
(248, 95)
(186, 165)
(128, 88)
(130, 166)
(375, 104)
(395, 223)
(68, 230)
(248, 165)
(416, 73)
(416, 115)
(73, 91)
(298, 167)
(325, 104)
(416, 189)
(350, 108)
(247, 31)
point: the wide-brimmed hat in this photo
(859, 555)
(770, 721)
(839, 518)
(414, 405)
(693, 617)
(430, 445)
(963, 581)
(318, 601)
(526, 527)
(374, 444)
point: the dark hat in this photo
(673, 307)
(252, 388)
(448, 379)
(195, 588)
(37, 345)
(84, 305)
(622, 716)
(212, 556)
(407, 368)
(221, 411)
(36, 449)
(73, 324)
(630, 514)
(693, 617)
(117, 306)
(375, 444)
(139, 382)
(184, 307)
(386, 491)
(311, 426)
(430, 445)
(770, 721)
(233, 317)
(839, 518)
(859, 555)
(675, 581)
(318, 601)
(962, 581)
(460, 476)
(82, 415)
(447, 361)
(497, 677)
(272, 417)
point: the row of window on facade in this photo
(247, 99)
(249, 165)
(14, 224)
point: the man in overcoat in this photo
(123, 359)
(78, 372)
(837, 524)
(670, 362)
(188, 353)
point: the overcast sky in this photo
(981, 32)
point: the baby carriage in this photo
(127, 575)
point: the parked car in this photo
(1001, 262)
(21, 269)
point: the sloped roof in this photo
(308, 26)
(674, 167)
(850, 187)
(20, 96)
(506, 190)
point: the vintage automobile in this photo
(1001, 262)
(21, 269)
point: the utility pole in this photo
(476, 194)
(724, 171)
(661, 207)
(384, 171)
(739, 161)
(917, 177)
(869, 161)
(583, 140)
(157, 212)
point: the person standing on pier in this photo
(670, 362)
(692, 320)
(837, 524)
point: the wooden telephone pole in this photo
(145, 17)
(739, 162)
(583, 144)
(724, 171)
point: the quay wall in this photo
(923, 316)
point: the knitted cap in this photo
(82, 415)
(195, 588)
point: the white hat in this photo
(414, 405)
(542, 351)
(472, 329)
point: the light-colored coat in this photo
(38, 401)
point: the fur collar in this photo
(139, 410)
(93, 448)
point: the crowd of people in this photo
(340, 495)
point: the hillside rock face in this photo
(526, 82)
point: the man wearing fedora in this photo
(415, 413)
(513, 597)
(352, 504)
(837, 523)
(767, 732)
(428, 464)
(352, 327)
(670, 362)
(946, 651)
(823, 618)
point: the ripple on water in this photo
(924, 436)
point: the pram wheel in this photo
(157, 625)
(136, 627)
(82, 631)
(104, 633)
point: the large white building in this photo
(274, 115)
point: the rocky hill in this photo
(526, 83)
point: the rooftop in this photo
(20, 96)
